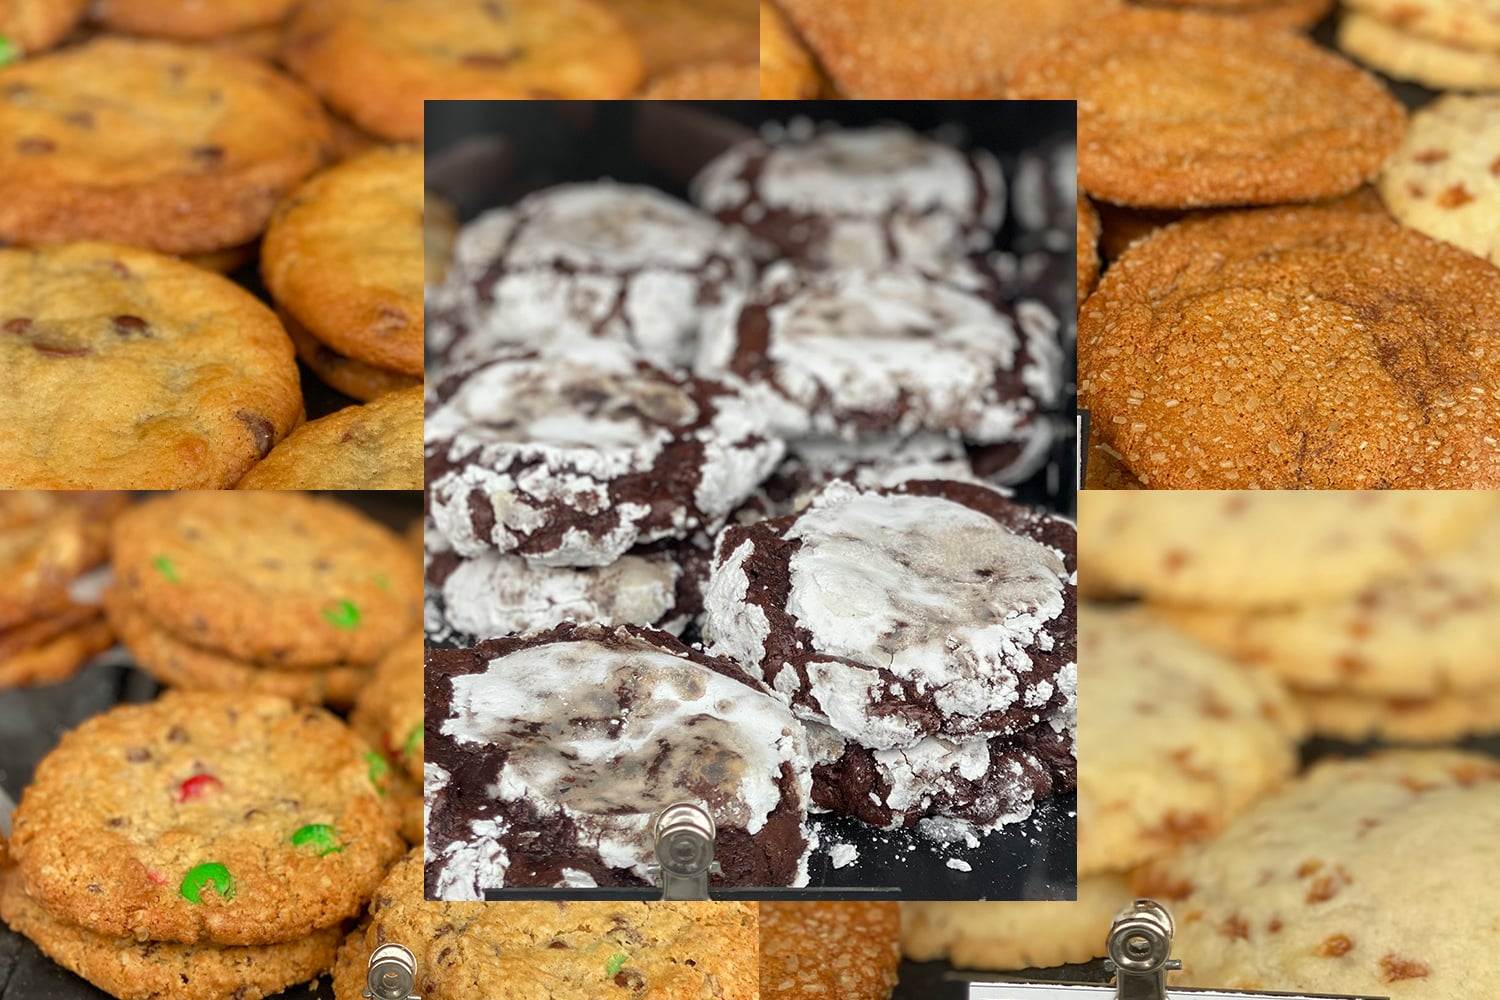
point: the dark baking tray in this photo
(32, 720)
(481, 154)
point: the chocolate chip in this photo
(260, 429)
(631, 979)
(15, 91)
(60, 351)
(119, 269)
(200, 623)
(36, 145)
(252, 813)
(19, 325)
(558, 943)
(82, 119)
(137, 755)
(442, 929)
(322, 565)
(495, 9)
(392, 319)
(209, 156)
(94, 887)
(115, 822)
(177, 735)
(128, 326)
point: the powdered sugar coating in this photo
(896, 351)
(571, 461)
(586, 261)
(855, 197)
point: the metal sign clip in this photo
(684, 833)
(392, 975)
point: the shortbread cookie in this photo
(1183, 110)
(353, 378)
(1016, 935)
(1389, 387)
(377, 446)
(953, 49)
(1293, 895)
(389, 711)
(29, 26)
(723, 81)
(132, 370)
(587, 261)
(239, 819)
(1440, 719)
(341, 256)
(787, 72)
(375, 62)
(572, 460)
(190, 19)
(556, 950)
(858, 353)
(48, 540)
(848, 950)
(175, 148)
(1175, 740)
(893, 616)
(1468, 23)
(649, 722)
(1249, 550)
(836, 197)
(1445, 179)
(674, 35)
(1088, 248)
(58, 656)
(1405, 56)
(278, 578)
(153, 970)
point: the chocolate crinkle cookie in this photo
(519, 793)
(571, 461)
(862, 198)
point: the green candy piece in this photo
(345, 615)
(163, 564)
(378, 769)
(322, 836)
(413, 740)
(8, 51)
(203, 876)
(615, 964)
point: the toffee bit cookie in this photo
(519, 795)
(566, 950)
(1445, 179)
(956, 49)
(859, 353)
(1438, 65)
(891, 617)
(342, 253)
(389, 711)
(847, 950)
(836, 197)
(1296, 895)
(787, 71)
(1181, 110)
(1296, 348)
(377, 446)
(1466, 23)
(721, 81)
(1256, 550)
(279, 578)
(588, 261)
(1175, 740)
(155, 970)
(1016, 935)
(375, 61)
(28, 26)
(190, 19)
(132, 370)
(48, 540)
(988, 783)
(239, 819)
(571, 462)
(1088, 248)
(171, 147)
(353, 378)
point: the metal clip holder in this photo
(1139, 947)
(392, 975)
(684, 833)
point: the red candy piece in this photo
(198, 786)
(157, 878)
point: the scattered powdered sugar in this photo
(959, 865)
(843, 855)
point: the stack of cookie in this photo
(200, 846)
(266, 592)
(388, 714)
(49, 623)
(1442, 44)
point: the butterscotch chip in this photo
(1088, 247)
(1396, 53)
(828, 949)
(717, 81)
(1184, 110)
(1296, 894)
(1296, 348)
(377, 446)
(787, 71)
(964, 49)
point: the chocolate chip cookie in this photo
(389, 711)
(133, 370)
(377, 446)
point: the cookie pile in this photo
(277, 593)
(388, 714)
(48, 543)
(199, 845)
(1442, 44)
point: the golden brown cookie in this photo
(1407, 56)
(1184, 110)
(963, 49)
(719, 81)
(227, 260)
(189, 19)
(132, 370)
(1439, 719)
(389, 711)
(29, 26)
(353, 378)
(57, 657)
(1295, 14)
(377, 446)
(375, 62)
(1296, 348)
(47, 540)
(787, 71)
(1470, 23)
(343, 253)
(1088, 247)
(675, 34)
(848, 950)
(1107, 470)
(176, 148)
